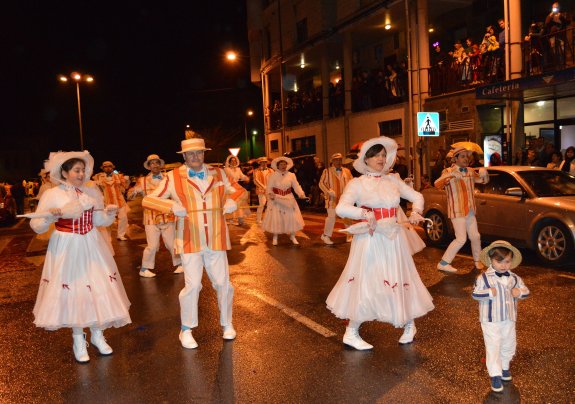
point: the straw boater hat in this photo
(390, 148)
(231, 156)
(458, 150)
(282, 158)
(151, 158)
(57, 159)
(107, 164)
(484, 256)
(336, 156)
(193, 144)
(262, 159)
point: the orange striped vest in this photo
(460, 194)
(113, 188)
(153, 216)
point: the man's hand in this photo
(179, 210)
(230, 206)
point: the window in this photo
(390, 128)
(303, 145)
(301, 29)
(498, 183)
(274, 146)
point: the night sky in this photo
(157, 67)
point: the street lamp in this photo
(249, 114)
(77, 77)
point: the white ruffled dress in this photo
(379, 281)
(283, 214)
(80, 285)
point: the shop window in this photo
(274, 146)
(566, 108)
(538, 111)
(303, 145)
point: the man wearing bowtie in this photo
(156, 224)
(113, 185)
(332, 182)
(261, 175)
(196, 194)
(459, 184)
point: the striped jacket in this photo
(330, 181)
(145, 186)
(261, 179)
(205, 225)
(113, 188)
(460, 190)
(503, 306)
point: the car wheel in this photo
(553, 243)
(438, 232)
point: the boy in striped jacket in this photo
(498, 290)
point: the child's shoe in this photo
(496, 384)
(506, 375)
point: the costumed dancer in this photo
(379, 281)
(261, 175)
(80, 285)
(196, 193)
(498, 290)
(459, 184)
(156, 224)
(332, 183)
(113, 186)
(235, 175)
(283, 214)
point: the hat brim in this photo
(282, 158)
(231, 156)
(147, 163)
(390, 146)
(515, 261)
(194, 149)
(61, 157)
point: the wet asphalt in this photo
(288, 347)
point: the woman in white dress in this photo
(283, 215)
(80, 285)
(380, 281)
(235, 175)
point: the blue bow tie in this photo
(199, 174)
(463, 169)
(157, 176)
(500, 274)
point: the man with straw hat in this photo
(196, 193)
(156, 224)
(261, 175)
(332, 182)
(459, 184)
(498, 290)
(113, 186)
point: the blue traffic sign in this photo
(428, 124)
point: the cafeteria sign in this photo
(428, 124)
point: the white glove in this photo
(331, 193)
(483, 174)
(230, 206)
(371, 220)
(415, 218)
(111, 210)
(179, 210)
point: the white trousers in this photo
(153, 232)
(216, 264)
(330, 222)
(464, 227)
(500, 344)
(262, 203)
(122, 221)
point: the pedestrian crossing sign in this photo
(428, 124)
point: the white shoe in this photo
(188, 340)
(326, 239)
(294, 240)
(229, 332)
(446, 268)
(352, 338)
(122, 238)
(408, 333)
(147, 274)
(99, 341)
(179, 269)
(80, 348)
(275, 240)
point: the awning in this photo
(544, 86)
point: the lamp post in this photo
(77, 77)
(249, 113)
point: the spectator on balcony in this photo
(534, 49)
(556, 23)
(439, 61)
(474, 61)
(556, 160)
(501, 37)
(489, 51)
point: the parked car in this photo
(531, 207)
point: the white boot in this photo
(409, 331)
(293, 239)
(80, 348)
(99, 341)
(352, 338)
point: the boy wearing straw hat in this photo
(332, 182)
(498, 290)
(196, 193)
(459, 184)
(156, 224)
(261, 175)
(113, 186)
